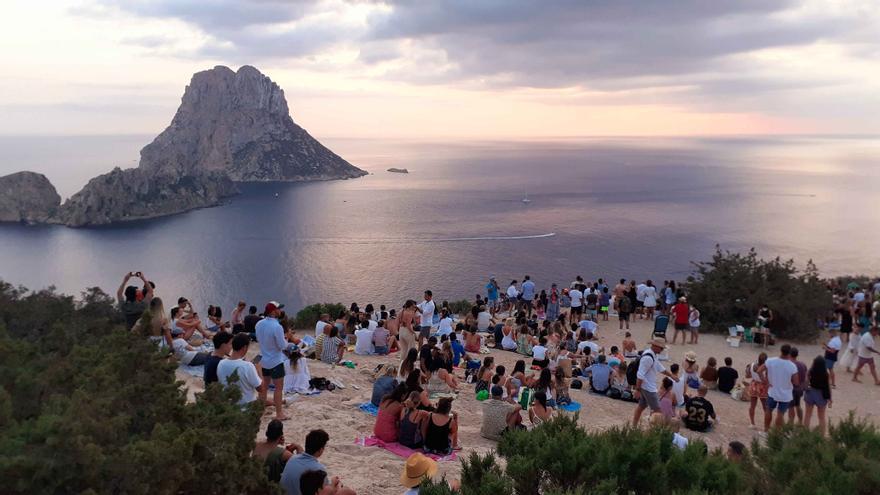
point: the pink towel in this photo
(399, 450)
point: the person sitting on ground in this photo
(381, 339)
(499, 415)
(316, 483)
(185, 353)
(691, 371)
(539, 411)
(333, 348)
(250, 322)
(248, 378)
(215, 319)
(154, 325)
(539, 354)
(364, 341)
(735, 451)
(709, 375)
(131, 307)
(296, 372)
(273, 452)
(508, 339)
(188, 320)
(440, 381)
(667, 402)
(426, 353)
(586, 339)
(222, 348)
(484, 374)
(518, 377)
(561, 385)
(620, 387)
(615, 357)
(391, 406)
(411, 420)
(629, 346)
(444, 327)
(440, 429)
(384, 384)
(237, 317)
(458, 351)
(600, 376)
(727, 376)
(298, 465)
(472, 340)
(700, 413)
(677, 384)
(414, 384)
(409, 363)
(417, 469)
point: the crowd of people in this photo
(555, 333)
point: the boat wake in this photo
(407, 240)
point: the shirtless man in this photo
(629, 346)
(392, 324)
(407, 335)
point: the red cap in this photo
(272, 306)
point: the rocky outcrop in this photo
(230, 127)
(27, 197)
(136, 194)
(239, 123)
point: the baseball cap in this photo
(272, 306)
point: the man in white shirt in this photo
(640, 298)
(484, 320)
(577, 303)
(832, 353)
(363, 341)
(528, 295)
(235, 365)
(866, 353)
(588, 325)
(512, 298)
(646, 383)
(426, 308)
(323, 322)
(782, 375)
(270, 336)
(589, 342)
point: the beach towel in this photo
(571, 407)
(369, 408)
(197, 371)
(399, 450)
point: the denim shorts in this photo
(829, 363)
(773, 404)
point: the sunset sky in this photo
(462, 69)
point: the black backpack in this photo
(632, 371)
(625, 305)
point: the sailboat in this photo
(526, 199)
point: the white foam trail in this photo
(392, 240)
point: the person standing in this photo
(528, 295)
(426, 309)
(492, 290)
(832, 351)
(553, 304)
(818, 393)
(640, 299)
(866, 353)
(782, 375)
(406, 334)
(270, 335)
(798, 392)
(646, 380)
(649, 300)
(681, 319)
(512, 298)
(694, 324)
(577, 303)
(131, 307)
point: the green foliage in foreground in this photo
(730, 289)
(308, 317)
(87, 407)
(562, 458)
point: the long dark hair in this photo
(819, 373)
(519, 367)
(397, 395)
(414, 380)
(541, 398)
(409, 363)
(545, 380)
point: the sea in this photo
(635, 208)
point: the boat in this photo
(526, 199)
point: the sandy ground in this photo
(374, 471)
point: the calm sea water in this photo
(635, 208)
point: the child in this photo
(709, 376)
(668, 401)
(604, 303)
(615, 357)
(677, 386)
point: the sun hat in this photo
(417, 467)
(659, 343)
(682, 299)
(690, 356)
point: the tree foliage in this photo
(730, 289)
(87, 407)
(561, 458)
(308, 316)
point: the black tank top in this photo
(437, 437)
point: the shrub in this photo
(460, 307)
(87, 407)
(730, 289)
(307, 317)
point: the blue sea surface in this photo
(609, 207)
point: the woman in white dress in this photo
(296, 373)
(508, 342)
(650, 300)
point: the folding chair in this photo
(661, 323)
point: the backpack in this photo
(319, 383)
(632, 371)
(625, 305)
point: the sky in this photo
(478, 69)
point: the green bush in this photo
(87, 407)
(730, 289)
(460, 307)
(307, 317)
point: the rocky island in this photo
(231, 126)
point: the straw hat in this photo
(659, 343)
(690, 356)
(417, 467)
